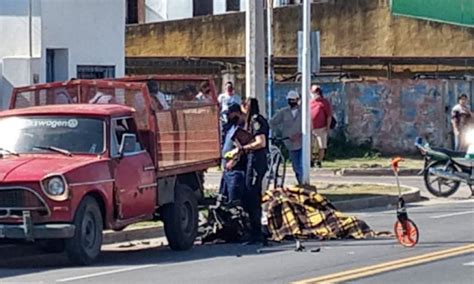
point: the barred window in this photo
(95, 72)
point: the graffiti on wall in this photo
(390, 114)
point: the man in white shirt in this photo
(228, 98)
(225, 100)
(460, 119)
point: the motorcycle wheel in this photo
(437, 186)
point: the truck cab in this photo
(69, 172)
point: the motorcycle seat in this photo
(449, 152)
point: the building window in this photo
(232, 5)
(202, 7)
(132, 11)
(95, 72)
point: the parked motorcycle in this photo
(445, 169)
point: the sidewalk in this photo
(348, 171)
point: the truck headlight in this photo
(55, 188)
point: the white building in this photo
(166, 10)
(53, 40)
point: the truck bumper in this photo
(48, 231)
(28, 231)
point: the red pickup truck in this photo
(69, 170)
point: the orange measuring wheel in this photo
(405, 229)
(406, 232)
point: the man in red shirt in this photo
(321, 115)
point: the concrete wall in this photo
(348, 28)
(14, 31)
(390, 114)
(15, 44)
(92, 35)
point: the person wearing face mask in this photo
(321, 116)
(233, 178)
(287, 122)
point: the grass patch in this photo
(343, 153)
(378, 162)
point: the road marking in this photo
(388, 266)
(469, 263)
(106, 273)
(452, 214)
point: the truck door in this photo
(135, 181)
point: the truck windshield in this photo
(39, 134)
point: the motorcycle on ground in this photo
(445, 170)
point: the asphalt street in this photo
(443, 224)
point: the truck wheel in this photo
(181, 219)
(85, 246)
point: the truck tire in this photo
(85, 246)
(181, 218)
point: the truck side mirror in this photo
(128, 144)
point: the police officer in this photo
(256, 152)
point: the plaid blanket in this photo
(302, 213)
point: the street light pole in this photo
(270, 72)
(306, 81)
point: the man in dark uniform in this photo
(256, 152)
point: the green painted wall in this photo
(459, 12)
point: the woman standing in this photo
(256, 152)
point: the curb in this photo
(413, 195)
(351, 172)
(375, 172)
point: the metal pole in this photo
(30, 28)
(270, 72)
(306, 81)
(255, 52)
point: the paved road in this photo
(451, 270)
(443, 225)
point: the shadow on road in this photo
(26, 259)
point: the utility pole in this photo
(30, 40)
(306, 81)
(270, 72)
(255, 52)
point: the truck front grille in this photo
(14, 200)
